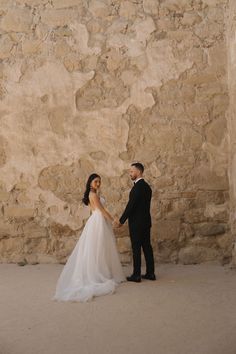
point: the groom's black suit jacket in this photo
(137, 210)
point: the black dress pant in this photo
(140, 239)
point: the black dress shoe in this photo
(149, 276)
(135, 278)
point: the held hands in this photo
(116, 223)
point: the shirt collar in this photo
(138, 179)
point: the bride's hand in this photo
(116, 223)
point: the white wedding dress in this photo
(94, 267)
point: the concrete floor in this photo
(188, 310)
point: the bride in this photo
(93, 267)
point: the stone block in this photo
(197, 254)
(164, 182)
(207, 179)
(219, 212)
(18, 212)
(177, 195)
(127, 9)
(11, 247)
(225, 242)
(33, 230)
(61, 4)
(210, 229)
(60, 17)
(190, 19)
(186, 232)
(125, 258)
(7, 230)
(151, 7)
(123, 244)
(99, 9)
(31, 47)
(3, 155)
(168, 230)
(195, 215)
(215, 131)
(6, 45)
(46, 259)
(4, 196)
(17, 20)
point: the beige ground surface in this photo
(188, 310)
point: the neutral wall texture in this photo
(231, 40)
(94, 85)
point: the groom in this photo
(137, 212)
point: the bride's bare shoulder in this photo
(92, 195)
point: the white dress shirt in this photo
(138, 179)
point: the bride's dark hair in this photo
(85, 199)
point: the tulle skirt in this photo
(93, 268)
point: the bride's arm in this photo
(96, 201)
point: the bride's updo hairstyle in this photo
(85, 199)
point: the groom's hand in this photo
(119, 224)
(116, 223)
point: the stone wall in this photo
(94, 85)
(231, 39)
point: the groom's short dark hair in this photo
(139, 166)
